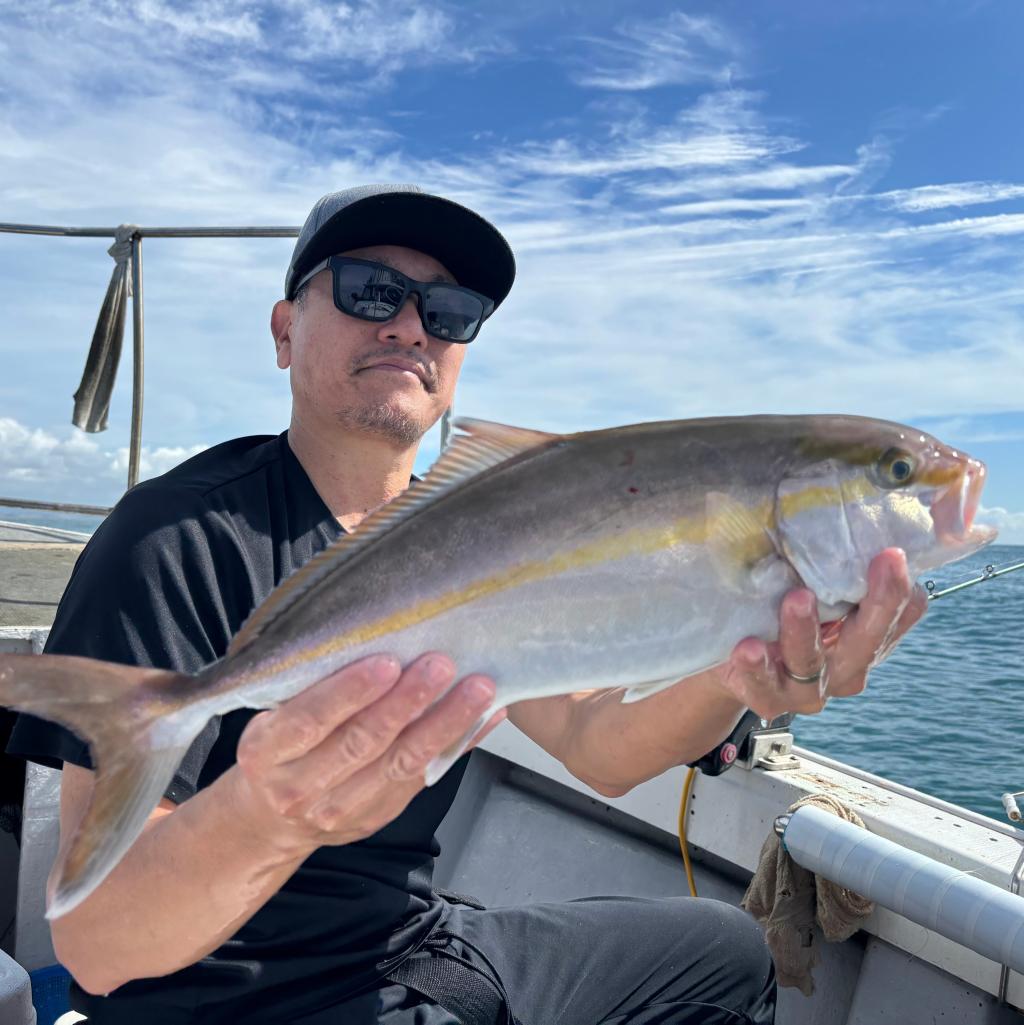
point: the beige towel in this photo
(787, 899)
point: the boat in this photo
(523, 829)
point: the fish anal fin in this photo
(439, 765)
(738, 539)
(483, 446)
(639, 691)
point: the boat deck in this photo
(35, 564)
(522, 829)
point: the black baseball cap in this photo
(469, 246)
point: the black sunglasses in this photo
(373, 291)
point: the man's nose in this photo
(405, 327)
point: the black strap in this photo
(443, 976)
(455, 987)
(459, 898)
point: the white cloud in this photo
(735, 205)
(297, 44)
(965, 430)
(206, 20)
(72, 466)
(1010, 524)
(777, 178)
(935, 197)
(674, 149)
(372, 32)
(644, 54)
(645, 290)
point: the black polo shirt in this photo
(166, 581)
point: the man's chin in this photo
(388, 420)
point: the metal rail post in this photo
(135, 442)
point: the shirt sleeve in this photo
(146, 591)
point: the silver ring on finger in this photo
(813, 678)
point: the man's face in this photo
(389, 379)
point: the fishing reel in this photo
(737, 746)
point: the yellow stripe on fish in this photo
(817, 496)
(691, 530)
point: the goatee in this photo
(383, 420)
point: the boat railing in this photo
(104, 354)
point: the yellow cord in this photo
(683, 846)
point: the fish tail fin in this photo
(139, 725)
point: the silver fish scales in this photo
(624, 558)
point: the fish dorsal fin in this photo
(484, 445)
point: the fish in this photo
(624, 558)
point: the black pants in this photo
(605, 961)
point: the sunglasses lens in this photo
(451, 313)
(373, 293)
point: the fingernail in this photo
(437, 669)
(755, 660)
(479, 690)
(383, 668)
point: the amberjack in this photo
(628, 558)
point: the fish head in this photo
(859, 486)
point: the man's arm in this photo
(612, 747)
(333, 765)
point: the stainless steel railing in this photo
(135, 236)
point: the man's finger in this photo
(368, 734)
(382, 789)
(800, 644)
(912, 614)
(440, 727)
(751, 677)
(874, 624)
(300, 724)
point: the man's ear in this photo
(281, 328)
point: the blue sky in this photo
(717, 208)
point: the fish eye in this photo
(894, 469)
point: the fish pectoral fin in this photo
(639, 691)
(737, 539)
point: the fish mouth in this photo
(954, 510)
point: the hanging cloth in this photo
(92, 399)
(788, 900)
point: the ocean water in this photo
(45, 518)
(944, 714)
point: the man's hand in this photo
(342, 759)
(836, 659)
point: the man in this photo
(285, 877)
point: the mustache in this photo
(430, 379)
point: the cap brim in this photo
(471, 248)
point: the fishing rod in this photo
(989, 573)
